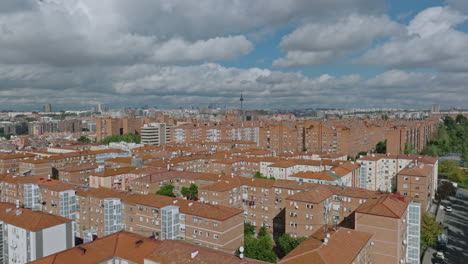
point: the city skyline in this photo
(284, 54)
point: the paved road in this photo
(457, 222)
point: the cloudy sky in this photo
(279, 53)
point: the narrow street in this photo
(457, 222)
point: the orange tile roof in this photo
(114, 172)
(387, 205)
(353, 192)
(35, 161)
(50, 184)
(421, 170)
(120, 160)
(136, 248)
(342, 247)
(121, 244)
(102, 151)
(315, 195)
(16, 156)
(28, 219)
(80, 167)
(204, 210)
(172, 251)
(315, 175)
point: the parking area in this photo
(457, 223)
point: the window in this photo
(215, 236)
(405, 185)
(309, 206)
(406, 178)
(417, 178)
(215, 224)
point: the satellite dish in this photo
(241, 255)
(241, 249)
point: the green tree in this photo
(431, 150)
(166, 190)
(456, 175)
(409, 148)
(249, 229)
(258, 175)
(263, 231)
(362, 153)
(130, 138)
(83, 139)
(430, 230)
(287, 243)
(381, 147)
(445, 190)
(190, 192)
(260, 248)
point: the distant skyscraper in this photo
(48, 108)
(100, 108)
(242, 106)
(435, 108)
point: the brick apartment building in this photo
(340, 246)
(108, 126)
(37, 193)
(394, 222)
(77, 174)
(9, 163)
(379, 171)
(416, 182)
(29, 235)
(417, 134)
(179, 179)
(125, 247)
(212, 226)
(116, 178)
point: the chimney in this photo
(138, 243)
(82, 250)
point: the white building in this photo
(378, 171)
(27, 235)
(155, 134)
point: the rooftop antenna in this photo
(242, 106)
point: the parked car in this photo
(448, 208)
(442, 247)
(440, 261)
(440, 255)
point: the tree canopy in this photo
(381, 147)
(83, 139)
(451, 136)
(260, 247)
(130, 138)
(409, 149)
(166, 190)
(190, 192)
(287, 243)
(430, 230)
(449, 169)
(258, 175)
